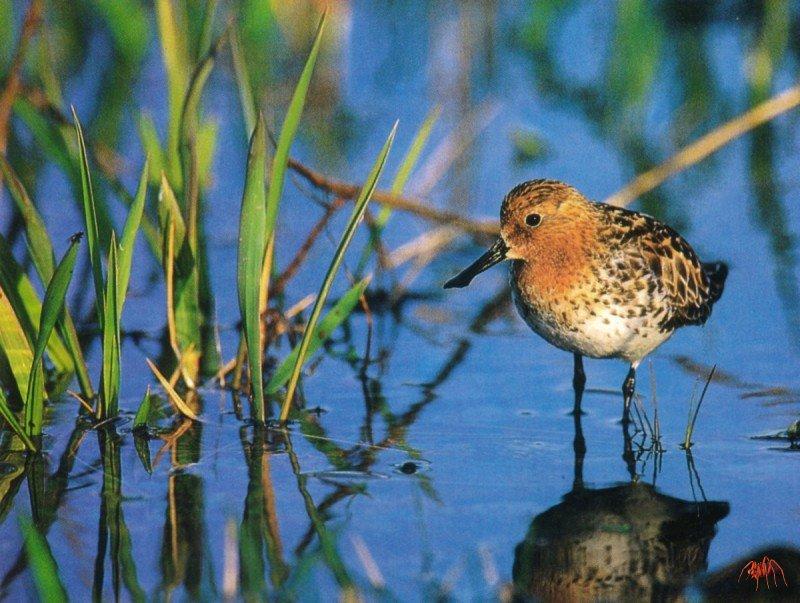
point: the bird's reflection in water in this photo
(626, 542)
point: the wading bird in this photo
(597, 280)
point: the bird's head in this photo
(536, 215)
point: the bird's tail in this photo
(716, 272)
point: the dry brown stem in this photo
(704, 146)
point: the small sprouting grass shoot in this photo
(694, 410)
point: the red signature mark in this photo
(765, 568)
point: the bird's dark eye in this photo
(533, 219)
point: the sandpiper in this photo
(597, 280)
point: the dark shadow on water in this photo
(624, 542)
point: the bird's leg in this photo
(628, 387)
(578, 382)
(627, 451)
(578, 447)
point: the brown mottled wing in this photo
(672, 264)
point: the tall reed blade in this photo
(52, 306)
(358, 212)
(289, 129)
(280, 160)
(190, 111)
(176, 62)
(246, 97)
(184, 320)
(110, 379)
(252, 243)
(126, 243)
(90, 217)
(39, 244)
(407, 165)
(17, 323)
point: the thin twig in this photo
(302, 253)
(481, 228)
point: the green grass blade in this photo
(11, 419)
(358, 213)
(41, 252)
(407, 165)
(110, 379)
(414, 151)
(205, 145)
(176, 61)
(47, 136)
(197, 143)
(90, 217)
(128, 239)
(52, 307)
(20, 311)
(129, 25)
(330, 322)
(252, 243)
(14, 347)
(7, 23)
(143, 412)
(40, 560)
(39, 245)
(66, 329)
(152, 147)
(288, 131)
(169, 210)
(246, 97)
(181, 272)
(190, 111)
(206, 27)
